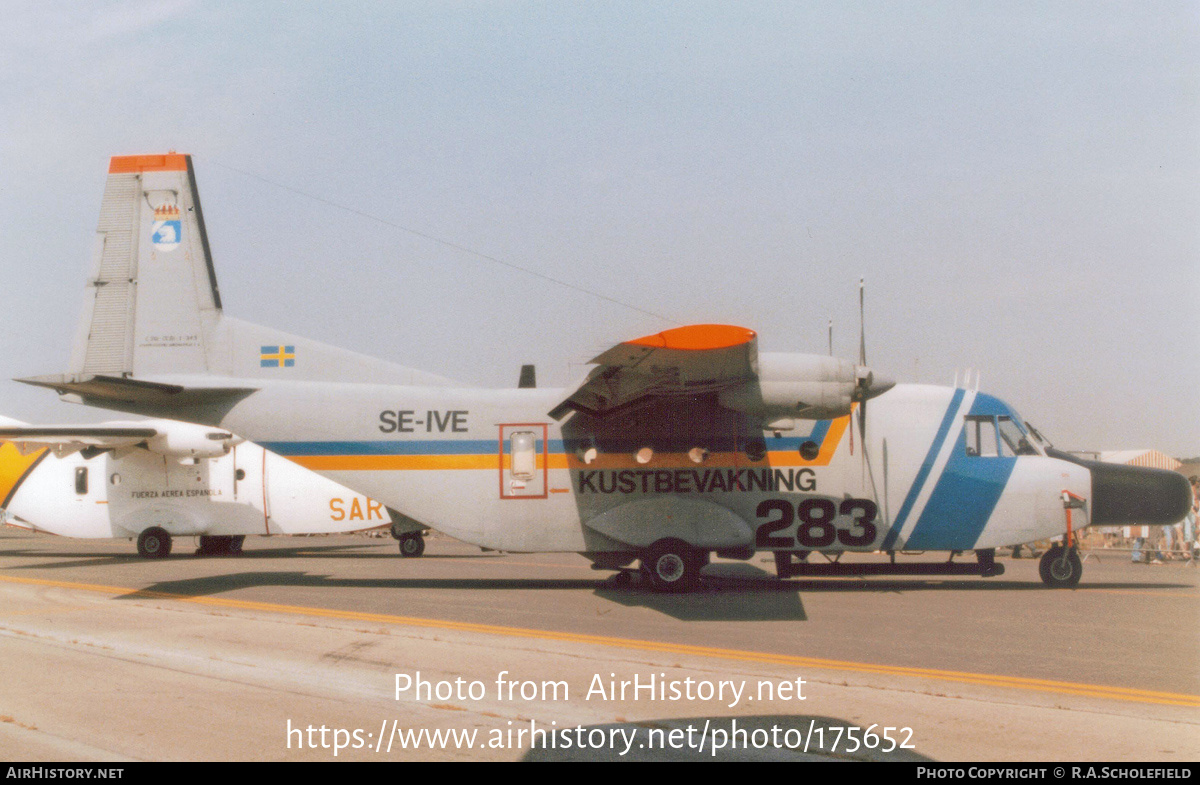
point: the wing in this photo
(66, 439)
(706, 358)
(684, 361)
(172, 439)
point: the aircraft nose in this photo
(1135, 494)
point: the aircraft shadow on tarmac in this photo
(737, 591)
(719, 599)
(774, 601)
(187, 552)
(778, 737)
(220, 584)
(758, 597)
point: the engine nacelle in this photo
(809, 386)
(180, 441)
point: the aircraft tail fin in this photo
(152, 337)
(151, 288)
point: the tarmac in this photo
(336, 648)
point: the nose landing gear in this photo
(1061, 567)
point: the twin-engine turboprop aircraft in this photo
(677, 445)
(158, 479)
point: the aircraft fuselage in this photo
(492, 468)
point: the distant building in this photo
(1152, 458)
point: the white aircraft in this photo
(676, 446)
(158, 479)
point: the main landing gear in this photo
(154, 543)
(412, 543)
(672, 565)
(223, 545)
(1061, 567)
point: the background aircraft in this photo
(158, 479)
(675, 446)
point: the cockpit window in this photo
(989, 436)
(1042, 441)
(1013, 439)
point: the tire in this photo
(233, 546)
(412, 545)
(672, 566)
(154, 543)
(1061, 568)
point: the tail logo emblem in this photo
(167, 230)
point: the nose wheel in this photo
(1061, 567)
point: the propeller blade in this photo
(862, 330)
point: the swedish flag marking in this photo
(277, 357)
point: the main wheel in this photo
(154, 543)
(412, 545)
(672, 566)
(1060, 567)
(233, 546)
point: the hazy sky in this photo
(1018, 182)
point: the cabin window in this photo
(81, 487)
(756, 450)
(523, 449)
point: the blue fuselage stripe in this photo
(923, 474)
(964, 498)
(415, 447)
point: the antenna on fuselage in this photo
(967, 383)
(528, 378)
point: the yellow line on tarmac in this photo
(962, 677)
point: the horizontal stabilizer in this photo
(119, 389)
